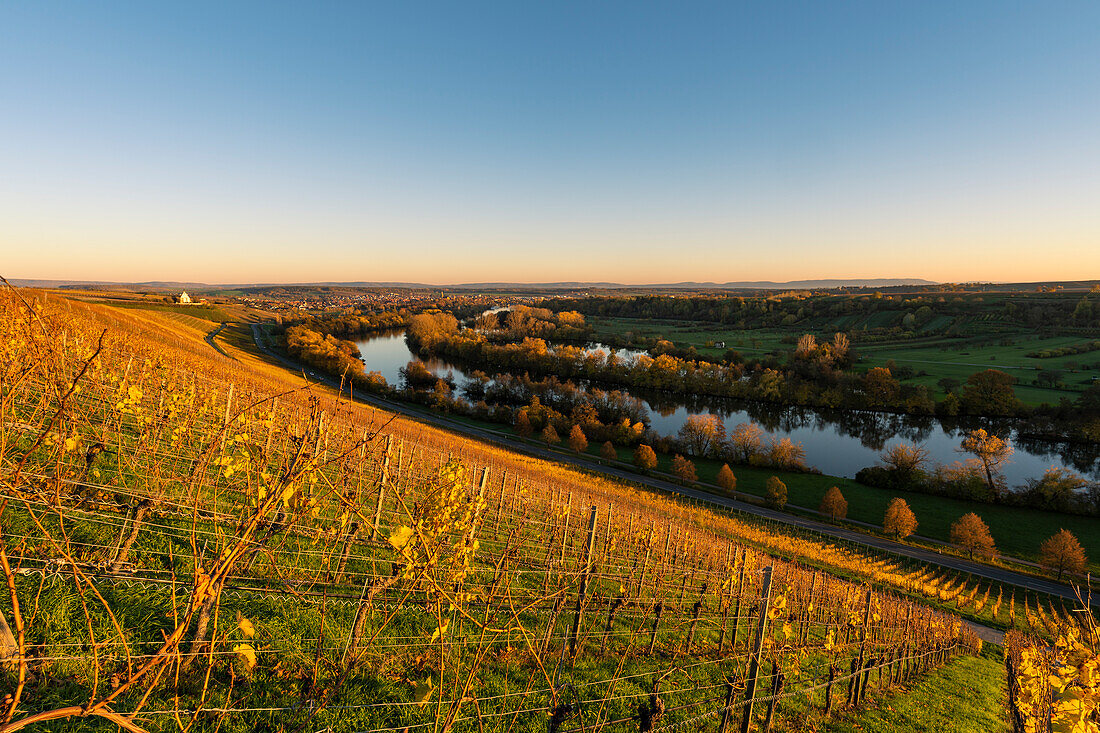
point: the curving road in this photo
(1001, 575)
(213, 334)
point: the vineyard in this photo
(188, 542)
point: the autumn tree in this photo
(683, 469)
(523, 424)
(550, 435)
(1062, 552)
(880, 387)
(833, 504)
(745, 441)
(991, 451)
(785, 453)
(702, 434)
(1058, 489)
(577, 441)
(905, 463)
(899, 519)
(608, 451)
(972, 534)
(426, 328)
(1083, 313)
(989, 392)
(726, 479)
(841, 349)
(775, 493)
(807, 345)
(645, 458)
(487, 321)
(441, 395)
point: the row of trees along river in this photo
(836, 442)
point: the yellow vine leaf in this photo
(245, 626)
(246, 654)
(401, 537)
(422, 691)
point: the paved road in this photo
(952, 562)
(986, 634)
(210, 340)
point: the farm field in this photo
(958, 360)
(687, 333)
(216, 311)
(932, 357)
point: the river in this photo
(837, 442)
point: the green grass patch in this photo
(1018, 531)
(965, 696)
(934, 353)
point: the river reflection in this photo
(837, 442)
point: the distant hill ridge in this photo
(168, 285)
(757, 284)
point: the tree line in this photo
(1060, 553)
(521, 320)
(350, 325)
(818, 374)
(907, 467)
(900, 313)
(816, 377)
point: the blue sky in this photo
(634, 142)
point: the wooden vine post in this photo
(854, 688)
(773, 701)
(725, 600)
(757, 650)
(584, 583)
(658, 609)
(900, 676)
(225, 418)
(565, 529)
(607, 531)
(382, 479)
(696, 609)
(645, 562)
(829, 689)
(806, 620)
(740, 591)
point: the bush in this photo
(972, 534)
(776, 493)
(1057, 490)
(899, 519)
(833, 504)
(683, 469)
(645, 458)
(726, 479)
(577, 441)
(608, 451)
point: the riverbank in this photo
(836, 442)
